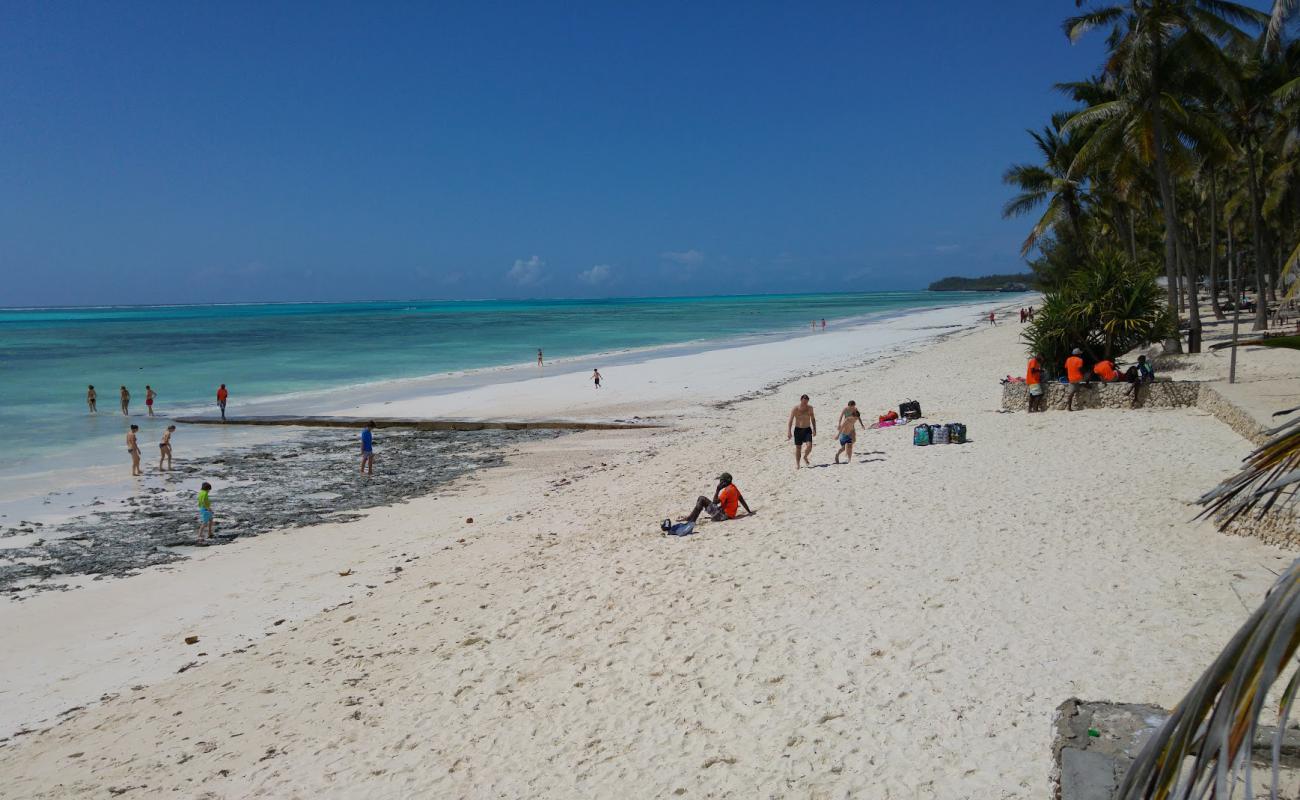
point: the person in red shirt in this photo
(222, 394)
(1074, 374)
(1034, 382)
(724, 504)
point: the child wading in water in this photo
(205, 512)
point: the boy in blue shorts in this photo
(205, 512)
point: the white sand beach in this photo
(898, 627)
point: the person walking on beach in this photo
(206, 518)
(1034, 383)
(368, 448)
(125, 397)
(133, 447)
(90, 399)
(723, 505)
(539, 356)
(993, 318)
(848, 433)
(823, 323)
(165, 449)
(1074, 374)
(149, 395)
(595, 377)
(802, 427)
(222, 394)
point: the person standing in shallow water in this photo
(222, 394)
(126, 401)
(539, 356)
(149, 395)
(133, 447)
(368, 449)
(91, 397)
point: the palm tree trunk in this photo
(1257, 234)
(1214, 250)
(1165, 182)
(1193, 306)
(1174, 344)
(1132, 236)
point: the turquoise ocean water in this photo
(261, 351)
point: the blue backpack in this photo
(921, 435)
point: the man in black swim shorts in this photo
(802, 427)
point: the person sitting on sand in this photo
(1034, 383)
(206, 518)
(848, 434)
(1105, 369)
(91, 397)
(368, 448)
(133, 447)
(802, 427)
(165, 449)
(723, 505)
(1074, 374)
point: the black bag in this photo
(956, 433)
(909, 410)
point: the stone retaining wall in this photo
(1161, 394)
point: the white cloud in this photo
(527, 273)
(596, 275)
(687, 258)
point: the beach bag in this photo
(909, 410)
(938, 434)
(679, 529)
(956, 433)
(921, 435)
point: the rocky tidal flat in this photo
(311, 479)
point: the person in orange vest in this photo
(1034, 382)
(1074, 374)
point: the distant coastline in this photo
(1016, 282)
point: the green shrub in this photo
(1107, 308)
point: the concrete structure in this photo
(1091, 767)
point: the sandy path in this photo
(896, 628)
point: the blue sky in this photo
(178, 152)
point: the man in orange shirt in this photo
(1105, 369)
(222, 395)
(1074, 374)
(1034, 381)
(723, 505)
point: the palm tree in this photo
(1048, 183)
(1152, 43)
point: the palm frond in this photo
(1077, 27)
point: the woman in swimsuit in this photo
(126, 401)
